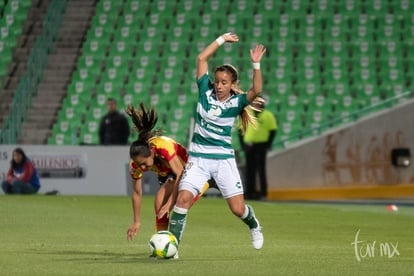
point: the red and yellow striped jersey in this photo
(164, 149)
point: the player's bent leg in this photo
(246, 213)
(179, 214)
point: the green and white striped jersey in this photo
(214, 121)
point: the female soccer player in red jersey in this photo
(165, 157)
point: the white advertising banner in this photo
(77, 170)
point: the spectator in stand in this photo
(114, 127)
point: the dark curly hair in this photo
(144, 121)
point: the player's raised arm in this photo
(256, 55)
(202, 58)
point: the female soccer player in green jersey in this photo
(210, 151)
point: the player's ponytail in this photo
(144, 121)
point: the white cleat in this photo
(257, 237)
(256, 233)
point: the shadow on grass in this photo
(93, 257)
(104, 256)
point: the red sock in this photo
(161, 223)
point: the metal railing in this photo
(341, 120)
(28, 83)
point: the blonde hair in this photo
(245, 116)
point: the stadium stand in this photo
(326, 60)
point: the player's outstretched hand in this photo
(230, 37)
(257, 53)
(133, 230)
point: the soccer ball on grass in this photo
(163, 244)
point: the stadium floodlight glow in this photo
(401, 157)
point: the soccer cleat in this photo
(257, 237)
(176, 256)
(256, 233)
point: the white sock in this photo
(179, 210)
(246, 212)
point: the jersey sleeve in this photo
(134, 171)
(243, 102)
(204, 84)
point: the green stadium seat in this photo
(131, 20)
(318, 102)
(178, 131)
(134, 6)
(163, 7)
(110, 86)
(105, 20)
(62, 139)
(316, 118)
(287, 129)
(92, 63)
(77, 100)
(323, 8)
(345, 103)
(402, 7)
(186, 7)
(95, 48)
(269, 6)
(62, 127)
(125, 48)
(85, 86)
(115, 74)
(138, 88)
(100, 33)
(126, 33)
(87, 138)
(307, 74)
(333, 75)
(349, 8)
(108, 7)
(100, 99)
(138, 74)
(376, 7)
(298, 8)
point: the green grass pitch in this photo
(85, 235)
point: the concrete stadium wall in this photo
(354, 160)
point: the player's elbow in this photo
(201, 58)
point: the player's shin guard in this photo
(161, 223)
(249, 217)
(177, 222)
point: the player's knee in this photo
(184, 199)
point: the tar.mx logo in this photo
(365, 249)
